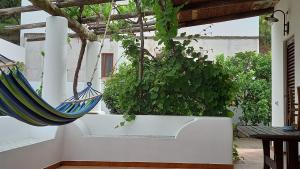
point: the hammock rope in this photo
(102, 41)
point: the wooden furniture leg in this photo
(292, 155)
(278, 154)
(266, 147)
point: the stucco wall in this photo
(278, 85)
(175, 139)
(12, 51)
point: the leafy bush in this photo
(180, 82)
(252, 75)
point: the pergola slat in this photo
(60, 4)
(84, 20)
(52, 9)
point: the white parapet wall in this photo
(173, 139)
(12, 51)
(27, 147)
(165, 139)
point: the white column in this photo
(92, 51)
(55, 65)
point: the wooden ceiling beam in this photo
(227, 17)
(52, 9)
(214, 3)
(60, 4)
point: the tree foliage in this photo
(181, 82)
(13, 36)
(12, 19)
(264, 35)
(251, 73)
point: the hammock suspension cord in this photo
(102, 41)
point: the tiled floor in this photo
(251, 154)
(250, 151)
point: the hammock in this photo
(19, 100)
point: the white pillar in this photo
(92, 52)
(55, 67)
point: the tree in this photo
(182, 82)
(264, 35)
(13, 19)
(13, 36)
(251, 73)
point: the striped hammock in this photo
(19, 100)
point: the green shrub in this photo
(180, 82)
(252, 75)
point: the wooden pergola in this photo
(194, 12)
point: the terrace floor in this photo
(251, 154)
(250, 151)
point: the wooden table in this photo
(278, 136)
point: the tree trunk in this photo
(141, 59)
(79, 62)
(140, 20)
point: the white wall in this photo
(143, 126)
(175, 139)
(12, 51)
(27, 147)
(206, 140)
(278, 56)
(198, 141)
(32, 17)
(239, 27)
(227, 45)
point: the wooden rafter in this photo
(227, 17)
(60, 4)
(214, 3)
(73, 24)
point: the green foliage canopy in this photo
(182, 82)
(264, 35)
(251, 73)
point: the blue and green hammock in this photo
(19, 100)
